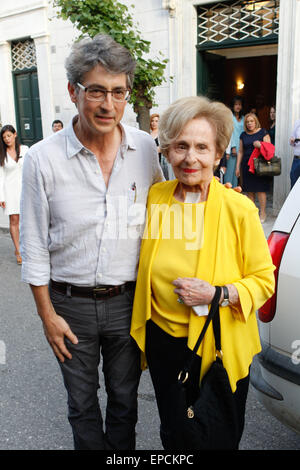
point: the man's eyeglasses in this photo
(94, 93)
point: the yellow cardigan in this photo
(235, 251)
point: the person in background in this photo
(154, 124)
(252, 184)
(295, 143)
(57, 125)
(215, 240)
(220, 170)
(231, 153)
(154, 118)
(11, 163)
(262, 111)
(273, 124)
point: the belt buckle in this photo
(100, 290)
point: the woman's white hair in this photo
(175, 118)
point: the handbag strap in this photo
(213, 316)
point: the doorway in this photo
(250, 72)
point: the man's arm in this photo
(55, 327)
(34, 234)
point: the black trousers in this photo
(165, 357)
(102, 328)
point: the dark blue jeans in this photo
(102, 328)
(295, 171)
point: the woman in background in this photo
(11, 163)
(273, 123)
(154, 119)
(232, 150)
(253, 184)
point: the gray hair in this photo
(102, 49)
(175, 118)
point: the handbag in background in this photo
(265, 167)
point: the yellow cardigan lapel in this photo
(208, 254)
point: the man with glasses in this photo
(80, 237)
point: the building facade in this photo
(215, 48)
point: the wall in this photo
(152, 20)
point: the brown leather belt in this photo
(97, 293)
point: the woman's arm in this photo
(2, 202)
(267, 138)
(252, 290)
(194, 291)
(239, 159)
(257, 143)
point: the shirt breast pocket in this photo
(136, 211)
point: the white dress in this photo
(11, 182)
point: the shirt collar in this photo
(74, 146)
(127, 138)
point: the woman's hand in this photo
(193, 291)
(237, 172)
(2, 204)
(257, 144)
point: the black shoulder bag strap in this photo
(214, 316)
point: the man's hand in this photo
(237, 172)
(55, 327)
(238, 189)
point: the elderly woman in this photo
(199, 235)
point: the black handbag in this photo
(211, 422)
(265, 167)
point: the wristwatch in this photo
(225, 301)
